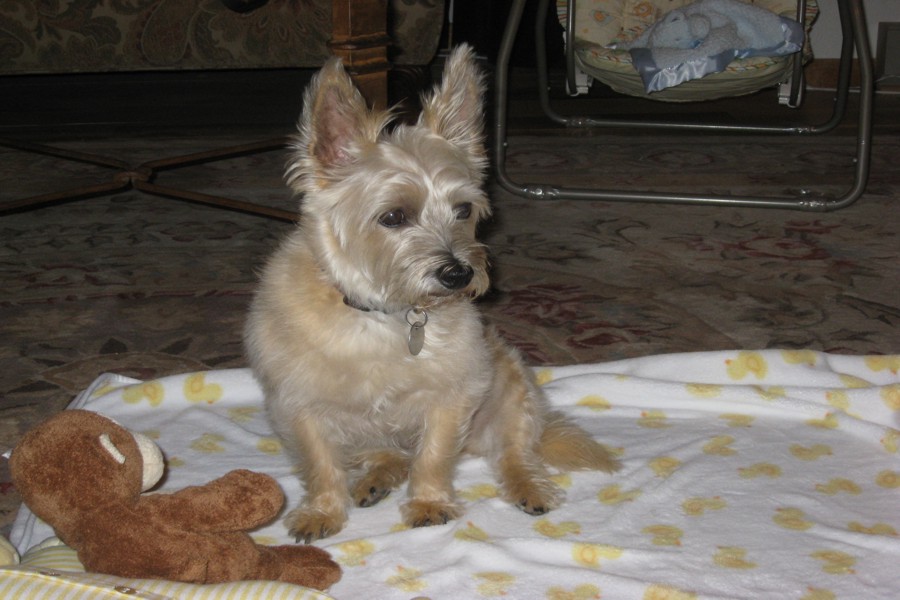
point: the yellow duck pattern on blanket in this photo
(745, 472)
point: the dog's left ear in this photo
(335, 127)
(455, 109)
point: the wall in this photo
(826, 33)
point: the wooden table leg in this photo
(359, 37)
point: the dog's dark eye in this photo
(464, 211)
(393, 218)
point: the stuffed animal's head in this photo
(78, 461)
(680, 30)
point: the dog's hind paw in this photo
(424, 513)
(385, 470)
(370, 497)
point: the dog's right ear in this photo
(335, 127)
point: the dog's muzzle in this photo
(455, 275)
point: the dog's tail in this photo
(567, 447)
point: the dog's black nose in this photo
(454, 276)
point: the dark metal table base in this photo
(141, 177)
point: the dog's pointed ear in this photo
(335, 126)
(455, 109)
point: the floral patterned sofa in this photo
(65, 36)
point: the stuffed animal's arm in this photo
(237, 501)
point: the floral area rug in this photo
(147, 287)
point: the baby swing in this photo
(592, 28)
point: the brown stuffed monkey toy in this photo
(83, 474)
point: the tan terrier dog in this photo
(373, 358)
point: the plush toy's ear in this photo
(700, 26)
(110, 447)
(673, 31)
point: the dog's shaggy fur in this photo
(386, 245)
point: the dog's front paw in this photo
(309, 524)
(535, 497)
(424, 513)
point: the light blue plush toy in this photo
(678, 29)
(745, 27)
(703, 37)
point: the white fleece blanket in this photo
(770, 474)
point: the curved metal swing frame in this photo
(855, 37)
